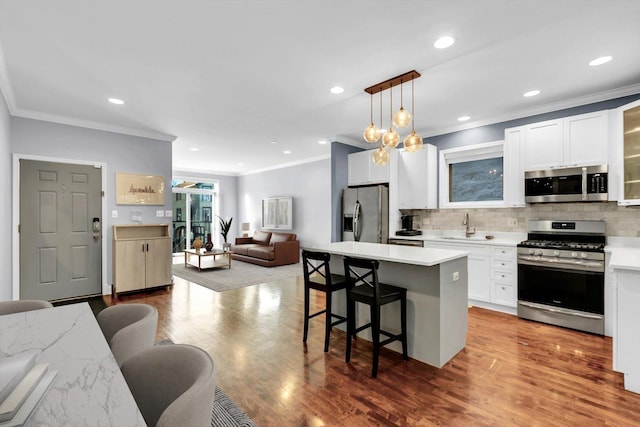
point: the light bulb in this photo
(371, 133)
(381, 156)
(391, 139)
(401, 118)
(413, 142)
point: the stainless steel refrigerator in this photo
(365, 214)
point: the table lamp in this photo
(245, 227)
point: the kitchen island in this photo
(437, 297)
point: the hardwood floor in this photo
(512, 372)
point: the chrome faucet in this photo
(468, 232)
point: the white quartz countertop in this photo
(458, 237)
(393, 253)
(624, 258)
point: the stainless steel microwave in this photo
(577, 184)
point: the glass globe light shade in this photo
(413, 142)
(391, 139)
(371, 133)
(401, 118)
(381, 156)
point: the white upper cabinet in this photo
(362, 170)
(572, 141)
(418, 178)
(513, 167)
(628, 152)
(543, 145)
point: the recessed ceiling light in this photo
(336, 90)
(287, 152)
(274, 142)
(194, 149)
(444, 42)
(322, 141)
(116, 101)
(463, 118)
(240, 164)
(600, 61)
(531, 93)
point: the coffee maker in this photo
(407, 226)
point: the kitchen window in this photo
(472, 177)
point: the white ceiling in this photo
(230, 77)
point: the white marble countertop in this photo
(89, 389)
(393, 253)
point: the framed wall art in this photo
(277, 213)
(139, 189)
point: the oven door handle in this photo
(557, 310)
(550, 261)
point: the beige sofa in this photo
(267, 249)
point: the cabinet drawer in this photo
(503, 276)
(504, 265)
(504, 294)
(504, 253)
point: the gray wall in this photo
(339, 180)
(228, 199)
(310, 186)
(5, 202)
(120, 153)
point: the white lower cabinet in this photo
(493, 277)
(504, 276)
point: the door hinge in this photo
(18, 228)
(102, 192)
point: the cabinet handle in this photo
(143, 247)
(147, 247)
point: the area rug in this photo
(240, 274)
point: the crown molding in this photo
(54, 118)
(542, 109)
(287, 165)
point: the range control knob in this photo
(539, 252)
(532, 251)
(556, 253)
(583, 255)
(574, 254)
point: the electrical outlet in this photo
(455, 276)
(168, 213)
(512, 222)
(159, 213)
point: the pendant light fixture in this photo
(413, 141)
(402, 118)
(391, 138)
(371, 133)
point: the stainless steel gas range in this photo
(561, 274)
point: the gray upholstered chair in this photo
(173, 385)
(10, 307)
(128, 328)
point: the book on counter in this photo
(22, 384)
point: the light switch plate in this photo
(168, 213)
(114, 214)
(160, 213)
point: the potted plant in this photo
(225, 226)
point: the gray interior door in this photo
(60, 247)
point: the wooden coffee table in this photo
(218, 256)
